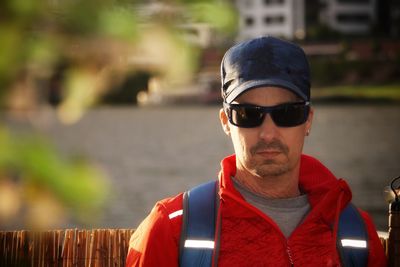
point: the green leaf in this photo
(118, 22)
(221, 15)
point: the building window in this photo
(274, 19)
(353, 18)
(249, 21)
(248, 3)
(353, 1)
(280, 19)
(273, 2)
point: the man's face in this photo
(267, 151)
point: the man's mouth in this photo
(269, 153)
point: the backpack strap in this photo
(352, 238)
(197, 241)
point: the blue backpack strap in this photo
(198, 225)
(352, 238)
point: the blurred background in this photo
(110, 105)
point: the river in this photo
(153, 153)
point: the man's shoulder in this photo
(164, 217)
(155, 242)
(170, 205)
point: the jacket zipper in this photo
(288, 250)
(289, 253)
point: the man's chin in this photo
(272, 168)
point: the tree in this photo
(79, 49)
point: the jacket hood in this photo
(327, 194)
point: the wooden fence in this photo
(70, 248)
(65, 248)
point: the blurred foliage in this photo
(127, 91)
(322, 32)
(343, 71)
(70, 53)
(34, 172)
(100, 41)
(389, 93)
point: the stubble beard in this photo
(270, 168)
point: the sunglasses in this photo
(283, 115)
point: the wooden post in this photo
(394, 234)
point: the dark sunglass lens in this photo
(290, 115)
(247, 116)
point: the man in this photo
(277, 207)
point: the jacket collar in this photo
(316, 180)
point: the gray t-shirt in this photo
(287, 213)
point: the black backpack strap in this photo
(352, 238)
(198, 225)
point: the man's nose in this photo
(268, 129)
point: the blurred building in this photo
(283, 18)
(291, 19)
(388, 22)
(323, 24)
(348, 16)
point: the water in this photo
(152, 153)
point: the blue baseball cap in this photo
(264, 61)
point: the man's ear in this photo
(309, 121)
(224, 122)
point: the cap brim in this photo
(260, 83)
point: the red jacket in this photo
(250, 238)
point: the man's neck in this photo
(284, 186)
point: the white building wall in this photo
(282, 18)
(342, 16)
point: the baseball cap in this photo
(264, 61)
